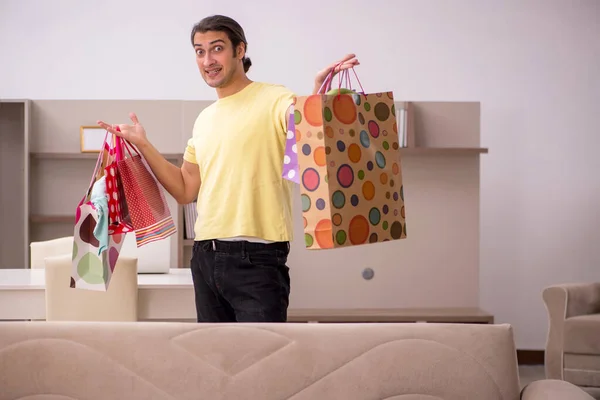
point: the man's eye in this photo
(218, 48)
(199, 52)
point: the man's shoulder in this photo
(273, 89)
(209, 109)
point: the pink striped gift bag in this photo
(150, 215)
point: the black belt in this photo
(240, 245)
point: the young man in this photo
(232, 166)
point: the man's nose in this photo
(208, 60)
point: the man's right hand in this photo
(135, 134)
(183, 183)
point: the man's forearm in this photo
(169, 175)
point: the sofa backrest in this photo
(154, 360)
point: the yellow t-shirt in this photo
(238, 143)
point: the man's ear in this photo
(241, 50)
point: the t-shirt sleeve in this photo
(285, 99)
(190, 152)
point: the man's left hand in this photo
(349, 61)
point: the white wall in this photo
(533, 64)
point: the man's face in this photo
(214, 56)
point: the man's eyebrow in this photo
(213, 42)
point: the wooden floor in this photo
(530, 373)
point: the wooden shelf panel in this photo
(49, 219)
(188, 242)
(436, 315)
(443, 151)
(86, 156)
(14, 100)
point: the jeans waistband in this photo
(241, 245)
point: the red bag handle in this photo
(123, 144)
(118, 148)
(130, 147)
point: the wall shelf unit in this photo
(14, 184)
(50, 173)
(52, 219)
(442, 151)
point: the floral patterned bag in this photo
(95, 251)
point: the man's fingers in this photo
(104, 125)
(348, 66)
(348, 57)
(134, 118)
(348, 61)
(111, 128)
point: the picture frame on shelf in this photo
(91, 138)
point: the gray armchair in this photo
(573, 344)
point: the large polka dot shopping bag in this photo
(148, 209)
(95, 251)
(343, 150)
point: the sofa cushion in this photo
(582, 369)
(582, 334)
(258, 361)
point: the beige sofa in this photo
(573, 344)
(154, 360)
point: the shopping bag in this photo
(348, 167)
(148, 209)
(95, 252)
(290, 158)
(119, 218)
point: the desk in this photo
(171, 297)
(161, 296)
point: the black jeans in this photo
(240, 281)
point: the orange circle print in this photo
(337, 219)
(354, 153)
(329, 131)
(313, 111)
(323, 234)
(368, 190)
(344, 109)
(358, 230)
(320, 157)
(383, 178)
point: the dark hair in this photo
(228, 25)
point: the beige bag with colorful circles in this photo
(348, 168)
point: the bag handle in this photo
(130, 147)
(123, 144)
(118, 148)
(327, 80)
(346, 74)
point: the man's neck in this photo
(234, 87)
